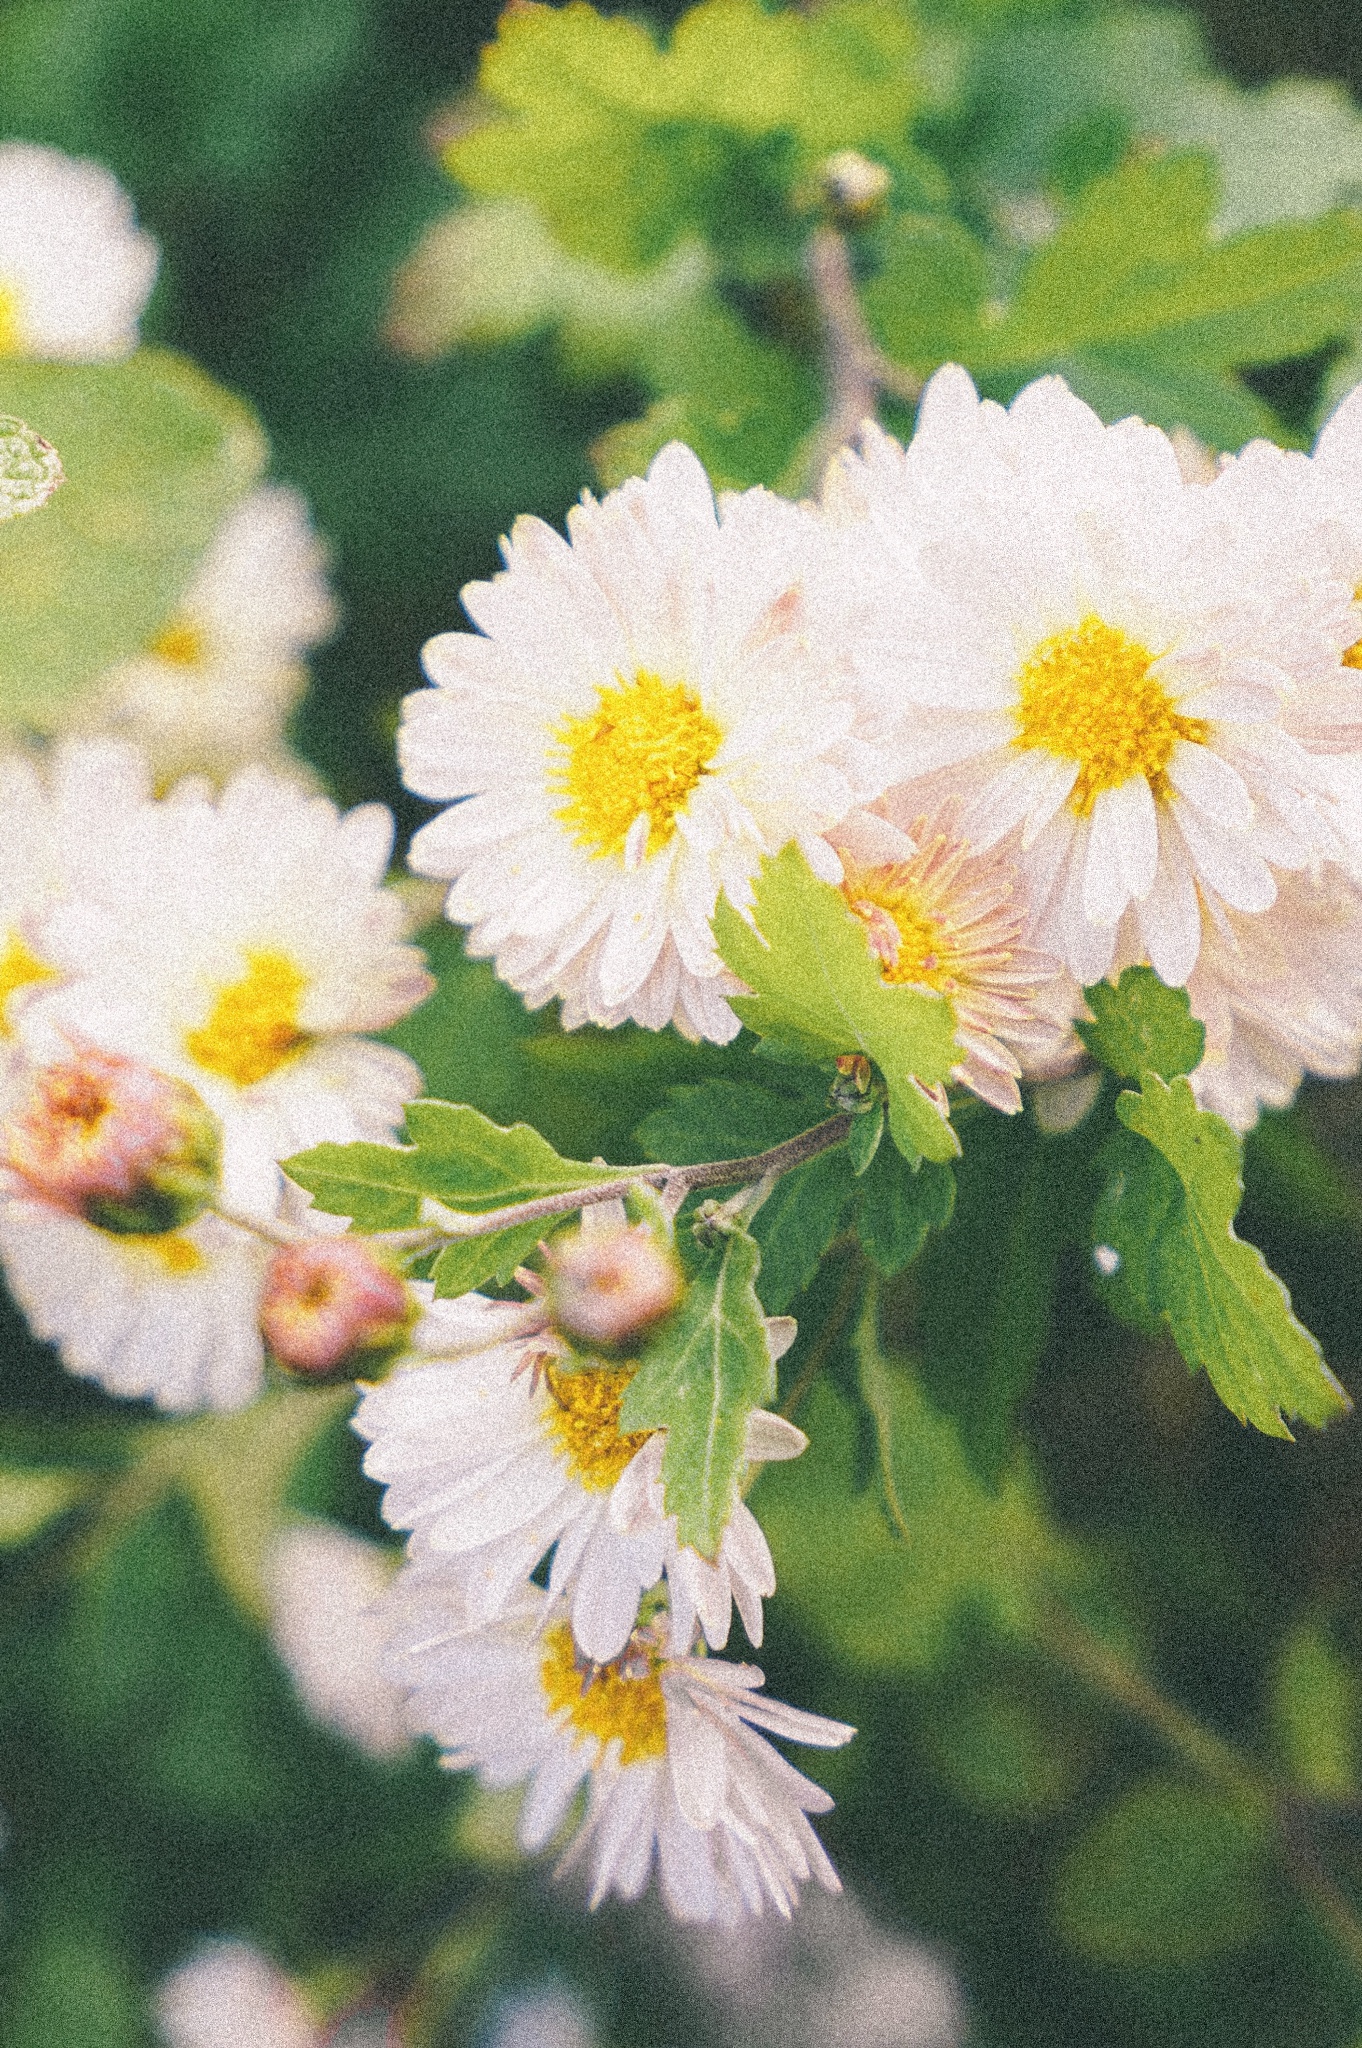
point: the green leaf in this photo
(897, 1207)
(816, 988)
(626, 148)
(797, 1222)
(1142, 1027)
(1227, 1310)
(155, 455)
(863, 1139)
(1132, 285)
(1172, 1873)
(31, 1501)
(721, 1119)
(1140, 1198)
(699, 1378)
(456, 1155)
(1316, 1703)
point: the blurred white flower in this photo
(553, 2018)
(75, 269)
(324, 1583)
(215, 686)
(229, 1995)
(638, 721)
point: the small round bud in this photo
(30, 468)
(332, 1308)
(854, 187)
(105, 1138)
(607, 1287)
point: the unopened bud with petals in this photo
(113, 1141)
(606, 1287)
(333, 1309)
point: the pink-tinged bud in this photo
(332, 1308)
(106, 1138)
(607, 1287)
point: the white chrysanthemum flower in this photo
(940, 916)
(75, 269)
(228, 1995)
(638, 722)
(1280, 996)
(171, 1317)
(492, 1465)
(1073, 633)
(214, 688)
(672, 1746)
(324, 1585)
(243, 944)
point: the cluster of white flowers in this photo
(1041, 706)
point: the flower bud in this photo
(106, 1138)
(332, 1308)
(605, 1287)
(854, 187)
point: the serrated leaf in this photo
(863, 1139)
(472, 1262)
(1140, 1194)
(897, 1208)
(722, 1119)
(1171, 1873)
(456, 1155)
(155, 455)
(797, 1222)
(699, 1378)
(1227, 1310)
(1142, 1027)
(815, 987)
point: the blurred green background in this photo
(159, 1780)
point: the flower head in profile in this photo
(325, 1585)
(945, 918)
(673, 1749)
(214, 687)
(1079, 646)
(492, 1465)
(75, 269)
(244, 944)
(639, 720)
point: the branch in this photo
(857, 368)
(682, 1180)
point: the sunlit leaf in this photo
(1142, 1027)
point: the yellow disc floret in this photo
(180, 643)
(20, 967)
(177, 1256)
(622, 1701)
(253, 1026)
(11, 326)
(907, 936)
(1089, 695)
(639, 754)
(584, 1421)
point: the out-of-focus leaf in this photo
(73, 1985)
(31, 1501)
(798, 1221)
(1142, 1027)
(1002, 1745)
(155, 455)
(705, 136)
(699, 1378)
(1172, 1873)
(896, 1207)
(1227, 1310)
(723, 1119)
(1316, 1701)
(816, 988)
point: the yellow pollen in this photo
(619, 1700)
(11, 326)
(585, 1422)
(180, 643)
(909, 940)
(1352, 656)
(640, 753)
(1087, 695)
(253, 1027)
(178, 1254)
(19, 968)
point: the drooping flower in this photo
(244, 944)
(213, 689)
(672, 1746)
(324, 1585)
(1074, 642)
(639, 720)
(492, 1466)
(945, 918)
(75, 269)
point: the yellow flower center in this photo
(907, 938)
(1087, 695)
(584, 1421)
(178, 1255)
(180, 643)
(639, 754)
(19, 968)
(253, 1026)
(621, 1701)
(11, 324)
